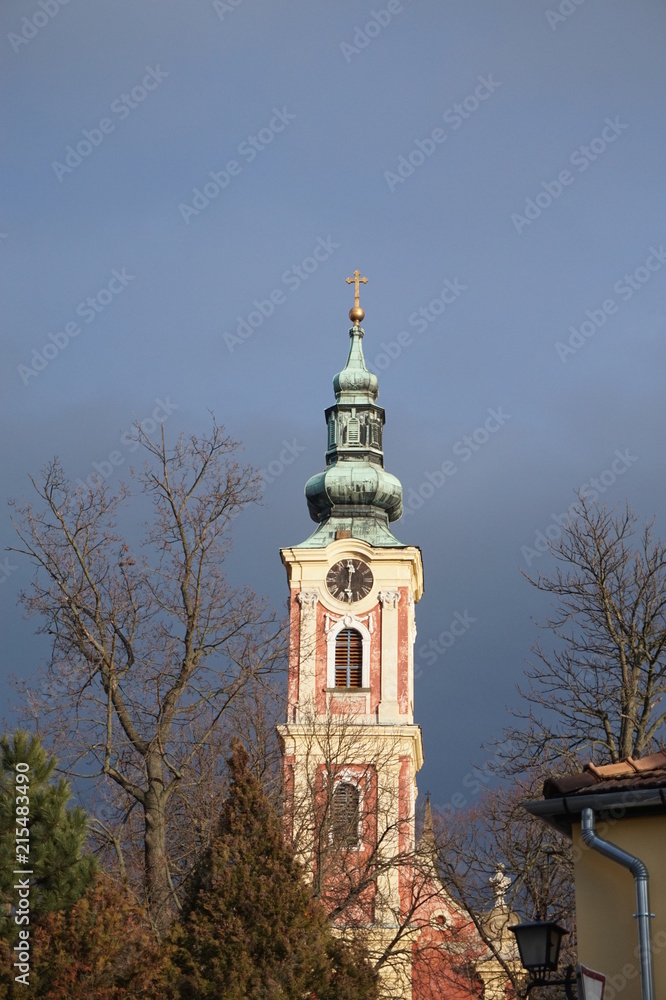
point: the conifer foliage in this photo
(102, 949)
(61, 872)
(250, 926)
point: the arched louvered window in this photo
(345, 810)
(348, 658)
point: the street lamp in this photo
(539, 946)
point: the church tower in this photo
(351, 748)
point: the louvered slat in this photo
(345, 815)
(348, 659)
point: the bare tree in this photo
(502, 866)
(117, 828)
(151, 645)
(601, 688)
(596, 690)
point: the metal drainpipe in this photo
(641, 877)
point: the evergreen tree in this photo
(352, 976)
(250, 926)
(103, 948)
(56, 835)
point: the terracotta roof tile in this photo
(604, 771)
(629, 774)
(652, 763)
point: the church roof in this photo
(354, 496)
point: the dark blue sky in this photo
(496, 169)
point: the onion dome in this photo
(355, 383)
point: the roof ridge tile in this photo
(628, 766)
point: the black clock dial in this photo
(349, 580)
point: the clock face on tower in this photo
(349, 580)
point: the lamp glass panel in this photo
(539, 944)
(554, 941)
(533, 945)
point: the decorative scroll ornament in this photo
(330, 621)
(389, 598)
(308, 599)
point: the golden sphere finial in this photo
(356, 314)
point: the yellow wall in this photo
(606, 901)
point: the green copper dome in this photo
(354, 494)
(355, 383)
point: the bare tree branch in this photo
(151, 645)
(601, 688)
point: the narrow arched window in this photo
(348, 658)
(345, 815)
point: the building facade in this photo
(615, 815)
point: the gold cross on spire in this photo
(357, 280)
(356, 314)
